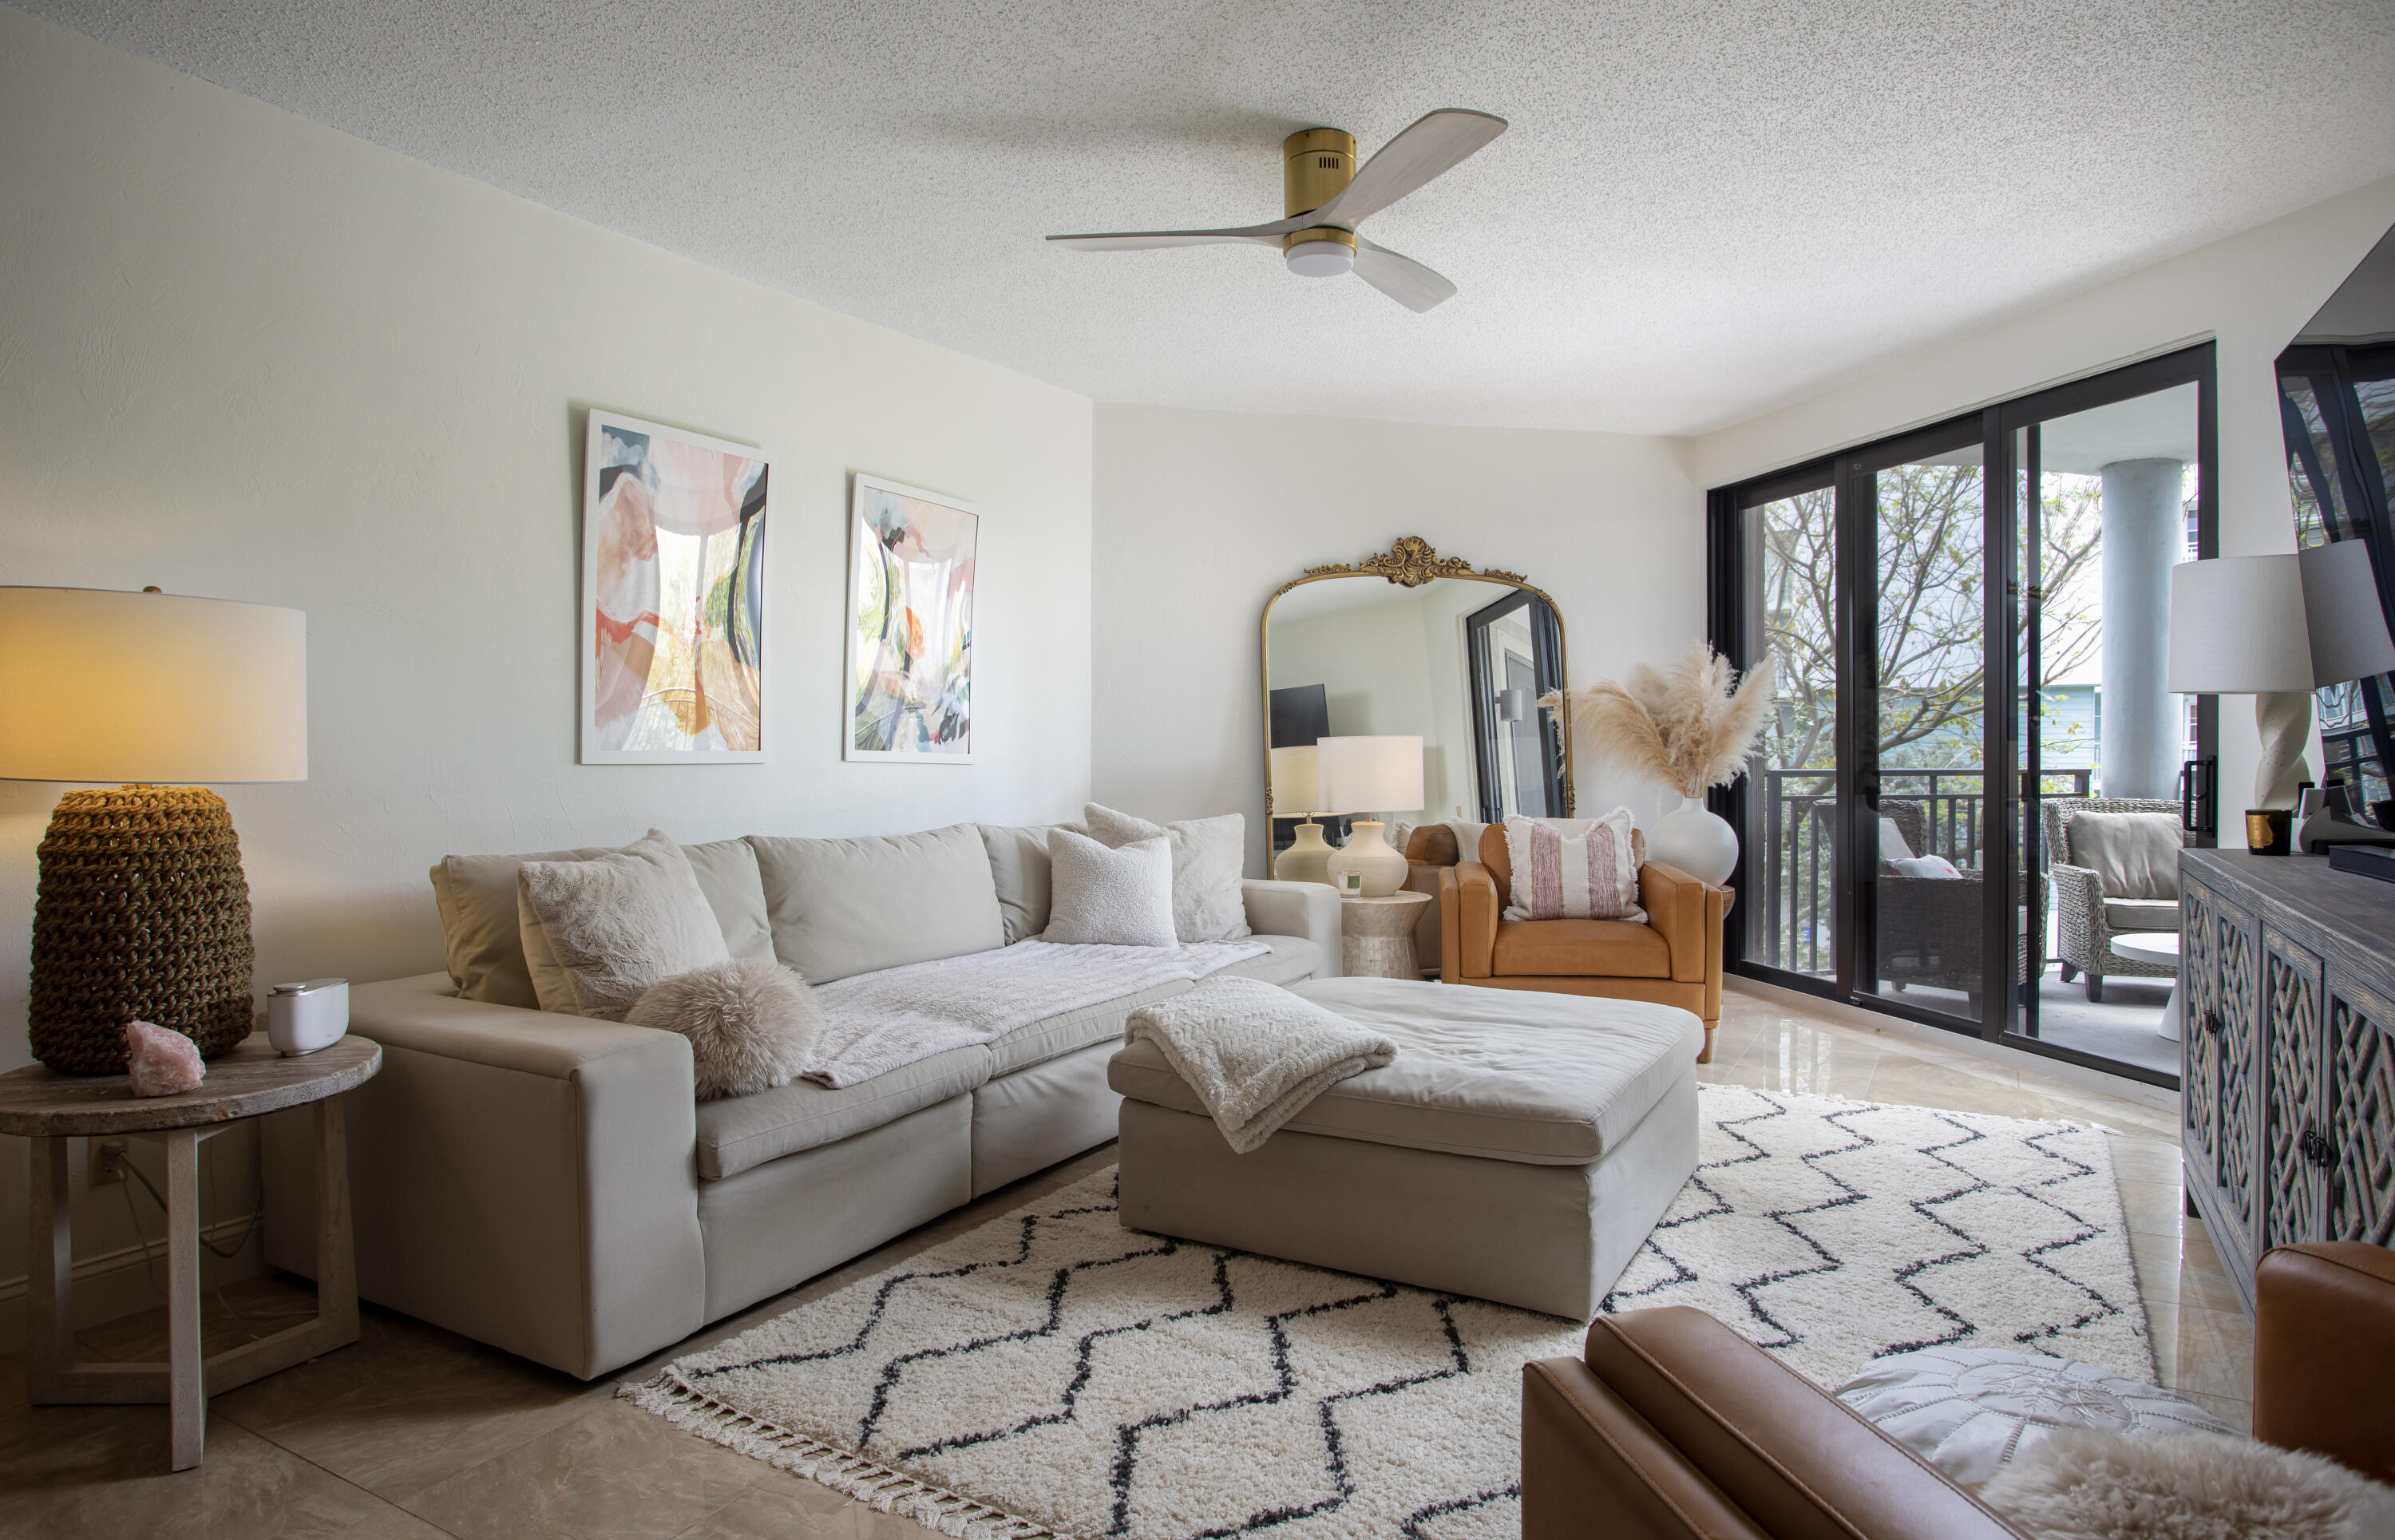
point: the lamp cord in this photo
(149, 1263)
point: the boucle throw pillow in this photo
(1969, 1410)
(1104, 897)
(2194, 1486)
(598, 933)
(751, 1024)
(1208, 858)
(1573, 868)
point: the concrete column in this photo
(2145, 534)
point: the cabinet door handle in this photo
(2315, 1147)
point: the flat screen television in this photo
(1300, 715)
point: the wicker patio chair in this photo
(1930, 928)
(2087, 928)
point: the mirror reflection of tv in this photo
(1300, 714)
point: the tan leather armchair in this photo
(1674, 959)
(1672, 1426)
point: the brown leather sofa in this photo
(1674, 959)
(1674, 1425)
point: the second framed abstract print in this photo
(910, 624)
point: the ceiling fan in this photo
(1327, 196)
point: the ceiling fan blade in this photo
(1401, 278)
(1436, 142)
(1155, 240)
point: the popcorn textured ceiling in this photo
(1702, 210)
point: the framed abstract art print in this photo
(910, 624)
(673, 596)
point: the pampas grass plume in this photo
(1689, 726)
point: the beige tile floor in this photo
(417, 1432)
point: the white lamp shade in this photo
(2238, 628)
(1294, 784)
(1370, 775)
(101, 685)
(2342, 613)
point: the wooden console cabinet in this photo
(2287, 1054)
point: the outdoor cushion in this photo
(740, 1132)
(1291, 958)
(1579, 948)
(842, 907)
(2133, 855)
(2141, 914)
(1501, 1075)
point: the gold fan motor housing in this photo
(1316, 164)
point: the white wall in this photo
(1201, 515)
(247, 356)
(2251, 292)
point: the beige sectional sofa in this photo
(548, 1185)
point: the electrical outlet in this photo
(107, 1160)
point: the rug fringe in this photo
(869, 1482)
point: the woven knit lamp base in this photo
(142, 914)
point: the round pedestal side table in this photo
(2154, 946)
(1376, 935)
(48, 1109)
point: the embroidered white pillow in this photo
(1573, 868)
(1103, 897)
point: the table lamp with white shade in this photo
(1296, 792)
(142, 912)
(1368, 775)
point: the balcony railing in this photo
(1800, 842)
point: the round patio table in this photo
(2154, 946)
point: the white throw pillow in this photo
(1891, 842)
(1922, 866)
(751, 1024)
(1208, 858)
(1104, 897)
(597, 934)
(1969, 1410)
(1573, 868)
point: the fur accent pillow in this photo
(2186, 1486)
(1102, 897)
(598, 933)
(1573, 868)
(752, 1024)
(1210, 856)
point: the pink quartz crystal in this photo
(160, 1062)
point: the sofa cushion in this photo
(1579, 948)
(476, 896)
(842, 907)
(1501, 1075)
(1020, 871)
(2134, 855)
(740, 1132)
(1292, 958)
(481, 925)
(597, 934)
(2141, 914)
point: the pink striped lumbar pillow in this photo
(1573, 868)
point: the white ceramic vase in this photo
(1696, 841)
(1370, 856)
(1308, 857)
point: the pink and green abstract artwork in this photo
(910, 622)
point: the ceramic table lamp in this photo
(142, 912)
(1368, 775)
(1296, 792)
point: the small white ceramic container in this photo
(301, 1018)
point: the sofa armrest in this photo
(1593, 1469)
(1310, 909)
(1467, 918)
(1789, 1456)
(2079, 911)
(528, 1180)
(2324, 1352)
(1688, 915)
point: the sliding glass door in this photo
(1968, 624)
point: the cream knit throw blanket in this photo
(877, 1022)
(1254, 1052)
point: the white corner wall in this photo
(1201, 515)
(2250, 293)
(247, 356)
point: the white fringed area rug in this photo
(1052, 1373)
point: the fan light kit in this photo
(1326, 196)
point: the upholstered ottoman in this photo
(1518, 1148)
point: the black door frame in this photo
(2011, 806)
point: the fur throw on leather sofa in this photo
(2088, 1485)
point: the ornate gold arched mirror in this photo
(1407, 684)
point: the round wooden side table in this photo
(1376, 936)
(47, 1108)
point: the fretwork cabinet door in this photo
(2360, 1188)
(2294, 1154)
